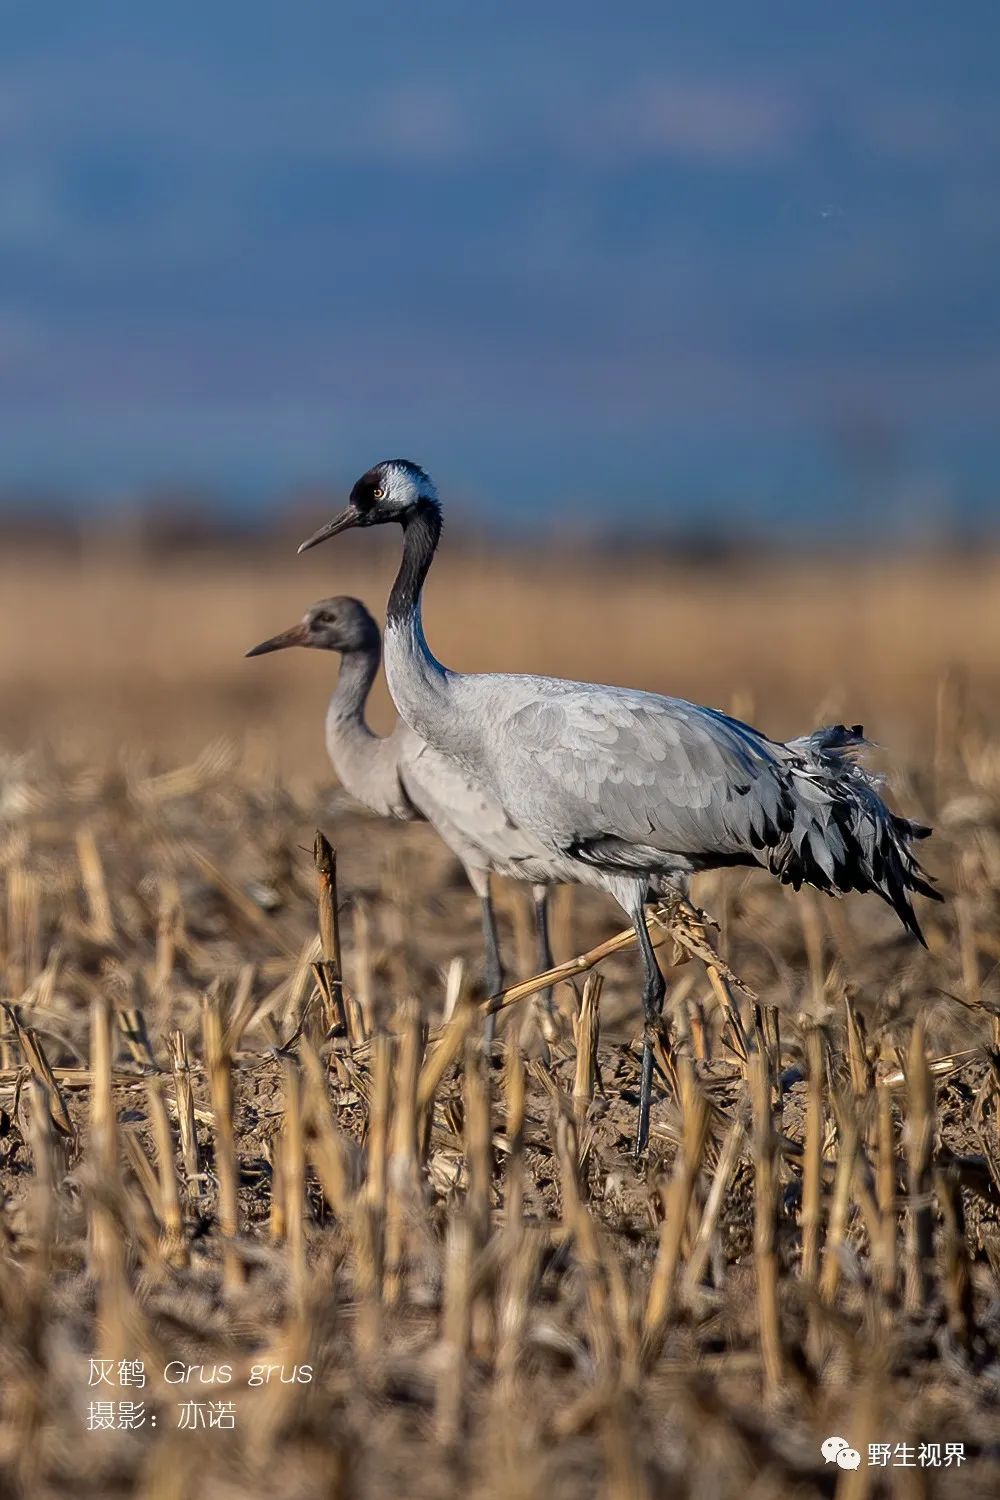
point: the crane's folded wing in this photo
(613, 765)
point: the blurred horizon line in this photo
(190, 519)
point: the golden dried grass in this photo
(278, 1153)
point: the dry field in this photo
(237, 1133)
(111, 648)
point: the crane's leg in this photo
(493, 965)
(540, 901)
(654, 988)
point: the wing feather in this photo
(646, 770)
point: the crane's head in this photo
(391, 491)
(341, 624)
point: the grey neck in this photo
(358, 670)
(364, 763)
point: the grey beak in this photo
(295, 636)
(343, 522)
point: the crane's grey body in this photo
(629, 781)
(629, 785)
(403, 776)
(658, 792)
(470, 821)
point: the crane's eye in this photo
(379, 493)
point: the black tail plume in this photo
(844, 837)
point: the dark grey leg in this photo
(654, 988)
(493, 966)
(540, 901)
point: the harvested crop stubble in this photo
(231, 1137)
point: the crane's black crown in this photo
(390, 491)
(394, 490)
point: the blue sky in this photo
(693, 264)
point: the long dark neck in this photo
(421, 532)
(421, 687)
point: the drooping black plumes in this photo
(843, 836)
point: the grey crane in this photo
(403, 777)
(629, 784)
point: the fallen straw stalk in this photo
(680, 923)
(447, 1041)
